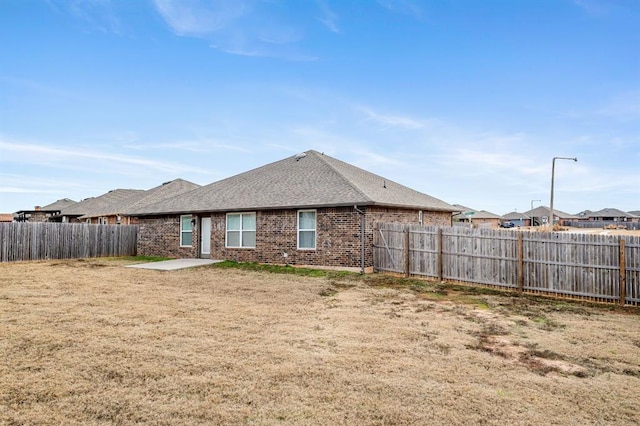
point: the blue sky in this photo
(465, 100)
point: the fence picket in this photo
(43, 240)
(562, 264)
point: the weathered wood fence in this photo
(43, 240)
(595, 267)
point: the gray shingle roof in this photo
(98, 205)
(144, 198)
(515, 216)
(545, 211)
(59, 205)
(477, 214)
(610, 212)
(312, 180)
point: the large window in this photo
(186, 231)
(307, 229)
(241, 230)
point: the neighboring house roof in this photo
(98, 205)
(584, 213)
(6, 217)
(545, 211)
(476, 214)
(59, 205)
(144, 198)
(307, 180)
(515, 216)
(635, 212)
(54, 207)
(609, 212)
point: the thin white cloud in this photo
(242, 27)
(199, 17)
(387, 121)
(328, 17)
(95, 15)
(85, 159)
(403, 7)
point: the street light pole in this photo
(553, 170)
(532, 210)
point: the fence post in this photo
(440, 255)
(623, 273)
(406, 252)
(520, 249)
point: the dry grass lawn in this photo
(92, 342)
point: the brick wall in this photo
(337, 236)
(160, 236)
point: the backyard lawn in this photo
(93, 342)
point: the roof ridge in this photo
(359, 190)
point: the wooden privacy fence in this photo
(44, 240)
(595, 267)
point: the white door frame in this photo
(205, 237)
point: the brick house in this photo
(113, 213)
(45, 213)
(477, 218)
(310, 209)
(110, 208)
(97, 207)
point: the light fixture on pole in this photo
(553, 170)
(532, 217)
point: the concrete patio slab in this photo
(175, 264)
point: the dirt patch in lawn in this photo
(91, 342)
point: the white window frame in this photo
(227, 230)
(102, 220)
(314, 229)
(186, 231)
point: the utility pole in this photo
(553, 170)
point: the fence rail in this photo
(596, 267)
(44, 240)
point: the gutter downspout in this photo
(362, 231)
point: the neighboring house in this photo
(635, 212)
(43, 214)
(476, 217)
(6, 217)
(95, 205)
(303, 210)
(518, 219)
(540, 216)
(114, 213)
(612, 215)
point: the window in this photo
(241, 230)
(186, 231)
(307, 229)
(102, 221)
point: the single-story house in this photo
(92, 205)
(610, 215)
(540, 216)
(308, 209)
(518, 219)
(476, 217)
(113, 213)
(44, 213)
